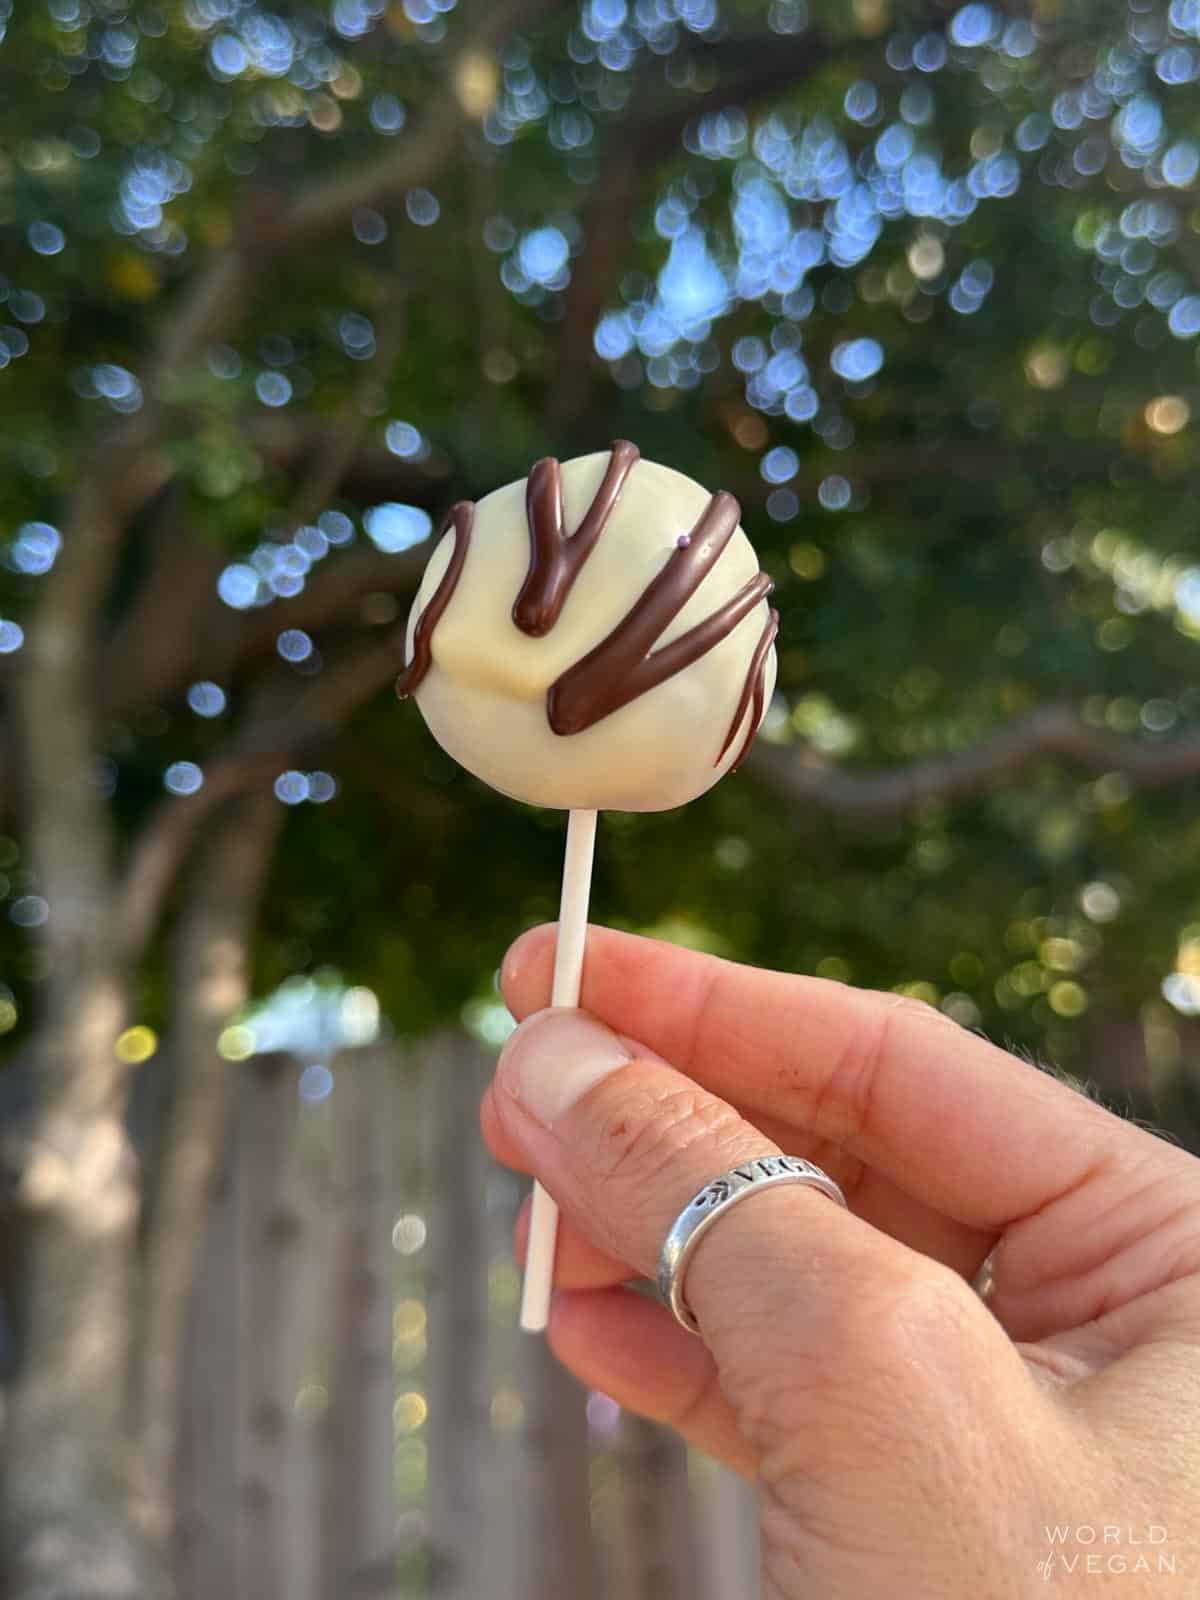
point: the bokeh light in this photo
(393, 527)
(206, 699)
(183, 777)
(136, 1044)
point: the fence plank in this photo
(557, 1513)
(281, 1302)
(359, 1514)
(728, 1527)
(206, 1561)
(454, 1072)
(656, 1556)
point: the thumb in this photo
(815, 1319)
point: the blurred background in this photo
(920, 284)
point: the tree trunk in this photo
(657, 1560)
(454, 1071)
(75, 1524)
(211, 982)
(76, 1528)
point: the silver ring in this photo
(694, 1221)
(984, 1281)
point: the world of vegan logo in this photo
(1105, 1549)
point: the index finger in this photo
(954, 1121)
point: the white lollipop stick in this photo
(568, 972)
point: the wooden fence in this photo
(362, 1417)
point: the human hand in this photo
(905, 1437)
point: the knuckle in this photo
(844, 1108)
(877, 1372)
(928, 1309)
(639, 1138)
(926, 1304)
(900, 1325)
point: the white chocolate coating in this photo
(484, 698)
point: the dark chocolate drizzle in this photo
(462, 515)
(556, 558)
(755, 685)
(624, 665)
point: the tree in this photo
(919, 289)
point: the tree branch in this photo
(128, 464)
(146, 663)
(328, 206)
(268, 746)
(285, 443)
(745, 70)
(167, 622)
(867, 799)
(614, 196)
(370, 472)
(343, 435)
(373, 473)
(740, 71)
(219, 643)
(223, 294)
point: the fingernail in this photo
(554, 1058)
